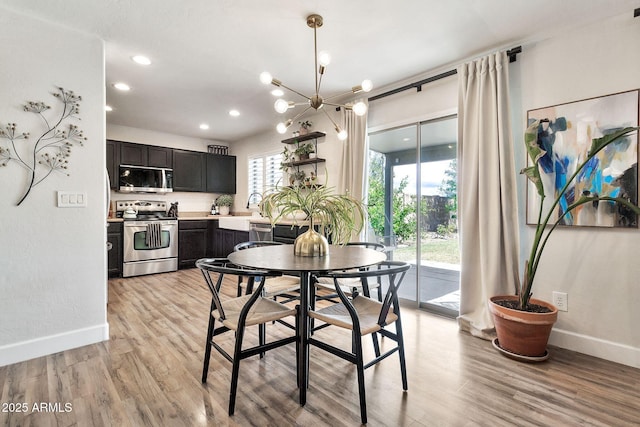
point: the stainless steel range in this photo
(150, 237)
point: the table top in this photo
(281, 258)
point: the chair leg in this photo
(235, 369)
(376, 346)
(357, 341)
(239, 291)
(403, 364)
(207, 350)
(298, 344)
(262, 337)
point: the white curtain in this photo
(486, 191)
(354, 157)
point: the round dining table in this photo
(281, 258)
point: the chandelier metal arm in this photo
(297, 116)
(295, 91)
(346, 107)
(351, 92)
(335, 125)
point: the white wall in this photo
(329, 148)
(53, 260)
(598, 268)
(187, 202)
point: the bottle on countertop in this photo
(214, 209)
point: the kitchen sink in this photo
(240, 223)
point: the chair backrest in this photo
(254, 244)
(393, 271)
(222, 267)
(369, 245)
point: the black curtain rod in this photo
(511, 53)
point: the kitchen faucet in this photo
(251, 195)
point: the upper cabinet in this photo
(145, 155)
(221, 174)
(189, 171)
(160, 157)
(113, 161)
(192, 170)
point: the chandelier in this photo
(316, 101)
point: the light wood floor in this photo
(148, 373)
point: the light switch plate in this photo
(72, 199)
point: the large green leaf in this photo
(531, 143)
(599, 143)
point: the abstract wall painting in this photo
(566, 137)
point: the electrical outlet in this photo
(560, 300)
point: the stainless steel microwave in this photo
(142, 179)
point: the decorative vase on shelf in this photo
(310, 243)
(304, 131)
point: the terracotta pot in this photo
(522, 332)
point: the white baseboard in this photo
(25, 350)
(608, 350)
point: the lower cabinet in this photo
(192, 242)
(204, 239)
(287, 233)
(114, 255)
(227, 239)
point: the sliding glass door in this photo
(412, 207)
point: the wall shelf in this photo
(302, 138)
(305, 162)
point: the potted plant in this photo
(303, 151)
(337, 216)
(305, 126)
(523, 324)
(224, 201)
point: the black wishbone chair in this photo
(236, 314)
(364, 316)
(280, 286)
(352, 285)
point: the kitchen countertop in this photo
(193, 216)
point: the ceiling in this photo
(207, 54)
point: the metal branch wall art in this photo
(50, 151)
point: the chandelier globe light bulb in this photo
(266, 78)
(360, 108)
(281, 128)
(324, 58)
(367, 85)
(342, 134)
(281, 106)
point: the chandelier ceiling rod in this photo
(316, 101)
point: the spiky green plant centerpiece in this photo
(542, 234)
(337, 215)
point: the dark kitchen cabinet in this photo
(145, 155)
(113, 162)
(114, 255)
(159, 157)
(133, 154)
(221, 174)
(189, 171)
(227, 239)
(192, 242)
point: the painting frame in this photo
(566, 132)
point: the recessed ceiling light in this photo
(406, 139)
(204, 126)
(108, 108)
(277, 92)
(122, 86)
(234, 113)
(142, 60)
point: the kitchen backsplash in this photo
(187, 202)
